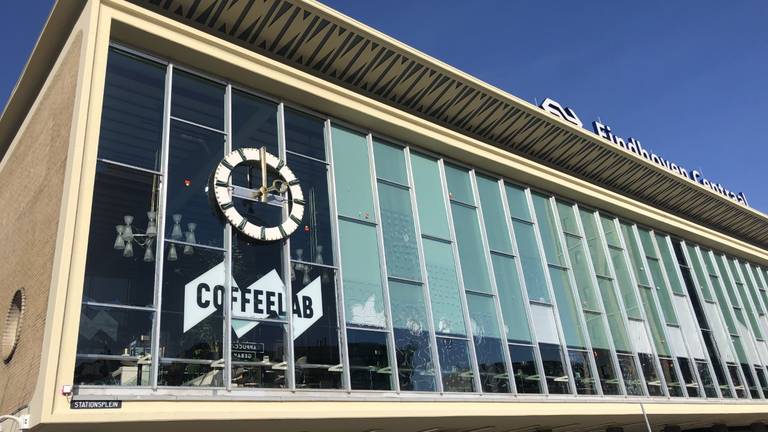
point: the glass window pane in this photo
(568, 218)
(584, 282)
(132, 115)
(429, 196)
(665, 299)
(751, 287)
(193, 300)
(488, 344)
(554, 369)
(518, 203)
(511, 299)
(122, 243)
(258, 290)
(595, 245)
(316, 330)
(670, 376)
(670, 265)
(609, 228)
(443, 288)
(258, 356)
(691, 386)
(190, 374)
(626, 287)
(304, 134)
(567, 308)
(415, 367)
(123, 372)
(609, 379)
(706, 379)
(527, 378)
(369, 367)
(197, 100)
(596, 329)
(495, 221)
(459, 186)
(115, 331)
(390, 162)
(313, 240)
(652, 380)
(354, 198)
(254, 123)
(530, 259)
(455, 366)
(582, 373)
(613, 314)
(632, 381)
(636, 257)
(361, 270)
(399, 234)
(194, 154)
(549, 234)
(657, 327)
(474, 268)
(698, 270)
(647, 241)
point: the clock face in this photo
(283, 190)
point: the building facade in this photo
(267, 215)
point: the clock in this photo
(284, 189)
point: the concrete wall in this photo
(32, 178)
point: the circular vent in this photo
(12, 327)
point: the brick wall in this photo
(31, 187)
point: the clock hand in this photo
(263, 159)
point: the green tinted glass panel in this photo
(740, 353)
(698, 270)
(459, 186)
(408, 308)
(654, 320)
(518, 203)
(511, 299)
(482, 312)
(567, 308)
(443, 288)
(363, 296)
(390, 162)
(530, 259)
(353, 176)
(726, 281)
(665, 299)
(752, 285)
(609, 228)
(597, 332)
(580, 265)
(474, 268)
(568, 218)
(635, 256)
(549, 235)
(647, 241)
(493, 215)
(613, 313)
(716, 285)
(747, 286)
(399, 235)
(624, 281)
(429, 196)
(670, 264)
(596, 250)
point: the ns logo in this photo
(557, 110)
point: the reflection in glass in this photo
(629, 373)
(626, 287)
(651, 377)
(189, 374)
(363, 294)
(304, 134)
(369, 367)
(429, 196)
(609, 380)
(706, 379)
(474, 268)
(582, 374)
(580, 264)
(567, 308)
(554, 369)
(455, 366)
(689, 381)
(316, 347)
(119, 270)
(354, 198)
(717, 364)
(194, 154)
(254, 122)
(115, 331)
(488, 344)
(399, 233)
(751, 385)
(412, 342)
(511, 299)
(198, 100)
(549, 235)
(493, 215)
(594, 244)
(390, 162)
(518, 203)
(125, 372)
(444, 288)
(459, 186)
(258, 356)
(132, 115)
(761, 378)
(670, 376)
(530, 259)
(527, 378)
(733, 371)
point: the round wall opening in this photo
(12, 327)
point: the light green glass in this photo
(698, 270)
(459, 185)
(493, 215)
(352, 173)
(594, 244)
(400, 247)
(390, 162)
(654, 320)
(548, 230)
(363, 294)
(647, 241)
(722, 302)
(635, 256)
(727, 284)
(567, 216)
(443, 288)
(670, 264)
(567, 308)
(531, 262)
(511, 299)
(429, 196)
(626, 287)
(753, 284)
(482, 312)
(613, 314)
(474, 267)
(596, 329)
(584, 282)
(609, 229)
(665, 299)
(518, 203)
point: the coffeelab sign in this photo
(633, 145)
(263, 299)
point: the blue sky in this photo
(689, 79)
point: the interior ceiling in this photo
(304, 36)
